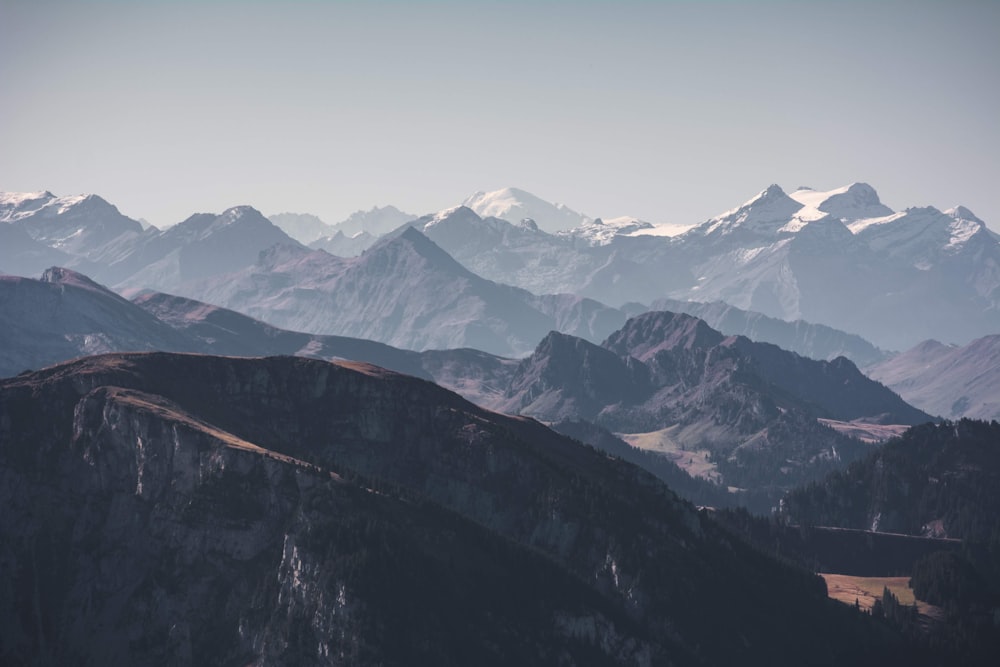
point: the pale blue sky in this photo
(670, 111)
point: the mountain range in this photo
(404, 291)
(247, 450)
(347, 238)
(840, 259)
(230, 510)
(746, 406)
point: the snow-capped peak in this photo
(919, 233)
(851, 202)
(20, 198)
(602, 232)
(514, 205)
(68, 202)
(17, 205)
(962, 213)
(768, 212)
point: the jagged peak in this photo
(767, 212)
(416, 243)
(202, 225)
(644, 335)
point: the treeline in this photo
(934, 479)
(966, 586)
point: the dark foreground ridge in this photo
(184, 509)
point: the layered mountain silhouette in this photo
(347, 238)
(203, 247)
(524, 255)
(748, 402)
(404, 291)
(218, 510)
(228, 506)
(66, 315)
(839, 258)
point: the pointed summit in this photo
(764, 214)
(408, 247)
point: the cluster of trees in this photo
(902, 616)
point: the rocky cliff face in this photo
(179, 509)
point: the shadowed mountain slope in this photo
(178, 508)
(753, 405)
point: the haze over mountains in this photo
(839, 258)
(744, 404)
(839, 262)
(947, 380)
(308, 480)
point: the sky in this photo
(668, 111)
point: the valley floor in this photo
(865, 590)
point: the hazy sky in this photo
(670, 111)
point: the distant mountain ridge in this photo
(947, 380)
(839, 258)
(443, 306)
(777, 254)
(816, 341)
(750, 401)
(514, 205)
